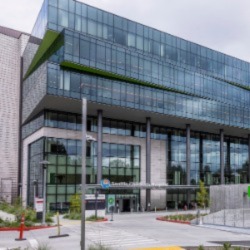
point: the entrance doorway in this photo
(126, 203)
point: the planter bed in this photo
(2, 229)
(174, 221)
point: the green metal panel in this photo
(44, 50)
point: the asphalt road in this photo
(127, 231)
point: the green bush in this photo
(226, 246)
(201, 247)
(94, 218)
(29, 213)
(182, 217)
(98, 246)
(73, 216)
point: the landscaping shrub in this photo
(99, 246)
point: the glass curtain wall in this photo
(121, 163)
(35, 171)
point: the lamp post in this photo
(85, 138)
(44, 164)
(84, 118)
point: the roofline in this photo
(12, 32)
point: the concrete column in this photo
(222, 157)
(248, 158)
(188, 153)
(148, 161)
(99, 146)
(188, 161)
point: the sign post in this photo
(39, 203)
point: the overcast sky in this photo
(222, 25)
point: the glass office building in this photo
(162, 109)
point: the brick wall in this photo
(10, 54)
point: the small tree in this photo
(202, 195)
(75, 203)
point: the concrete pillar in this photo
(222, 157)
(248, 158)
(188, 161)
(148, 161)
(188, 153)
(99, 146)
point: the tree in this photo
(75, 203)
(202, 195)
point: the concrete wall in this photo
(158, 159)
(11, 50)
(228, 197)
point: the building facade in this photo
(161, 109)
(12, 46)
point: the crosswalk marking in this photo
(33, 243)
(113, 238)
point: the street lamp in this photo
(84, 123)
(44, 164)
(85, 138)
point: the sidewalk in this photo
(227, 228)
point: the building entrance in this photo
(127, 203)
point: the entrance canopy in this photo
(141, 186)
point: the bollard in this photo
(21, 229)
(155, 209)
(58, 229)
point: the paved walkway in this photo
(125, 232)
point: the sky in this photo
(222, 25)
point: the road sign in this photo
(38, 205)
(111, 203)
(105, 183)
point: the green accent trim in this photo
(44, 50)
(233, 83)
(248, 191)
(110, 75)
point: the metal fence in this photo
(229, 206)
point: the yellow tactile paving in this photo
(159, 248)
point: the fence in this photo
(229, 206)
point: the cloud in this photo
(218, 24)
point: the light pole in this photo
(84, 118)
(44, 164)
(85, 138)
